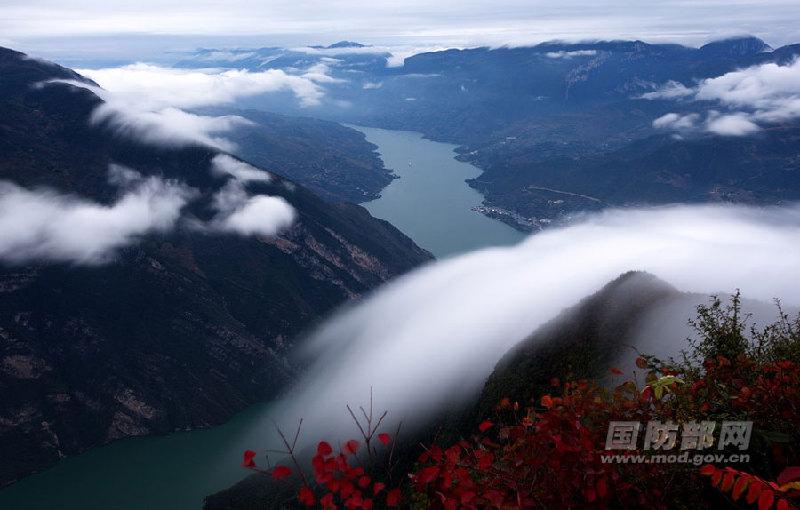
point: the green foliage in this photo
(723, 330)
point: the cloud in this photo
(223, 164)
(737, 124)
(570, 54)
(448, 22)
(430, 338)
(395, 54)
(146, 102)
(677, 122)
(151, 87)
(167, 126)
(45, 225)
(670, 90)
(246, 215)
(766, 93)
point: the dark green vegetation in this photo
(181, 329)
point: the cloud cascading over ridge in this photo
(154, 87)
(147, 102)
(46, 225)
(432, 337)
(762, 94)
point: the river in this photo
(430, 202)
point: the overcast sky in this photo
(148, 27)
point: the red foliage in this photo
(351, 446)
(279, 472)
(247, 459)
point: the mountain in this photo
(337, 163)
(560, 128)
(547, 185)
(178, 328)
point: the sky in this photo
(126, 29)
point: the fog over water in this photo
(433, 336)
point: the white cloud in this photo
(154, 87)
(450, 22)
(570, 54)
(432, 337)
(766, 93)
(49, 226)
(736, 124)
(145, 101)
(677, 122)
(167, 126)
(395, 55)
(246, 215)
(223, 164)
(670, 90)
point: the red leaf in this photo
(788, 475)
(281, 472)
(324, 448)
(602, 488)
(765, 499)
(708, 470)
(485, 425)
(753, 492)
(782, 505)
(247, 459)
(351, 446)
(393, 498)
(364, 482)
(384, 438)
(727, 482)
(547, 401)
(615, 371)
(427, 475)
(306, 497)
(740, 486)
(378, 487)
(641, 362)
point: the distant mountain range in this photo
(560, 128)
(180, 327)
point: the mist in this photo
(430, 339)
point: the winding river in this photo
(430, 202)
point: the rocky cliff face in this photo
(180, 329)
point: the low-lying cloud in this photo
(158, 87)
(763, 94)
(243, 214)
(432, 337)
(570, 54)
(147, 102)
(46, 225)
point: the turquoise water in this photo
(170, 472)
(430, 203)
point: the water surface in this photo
(430, 202)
